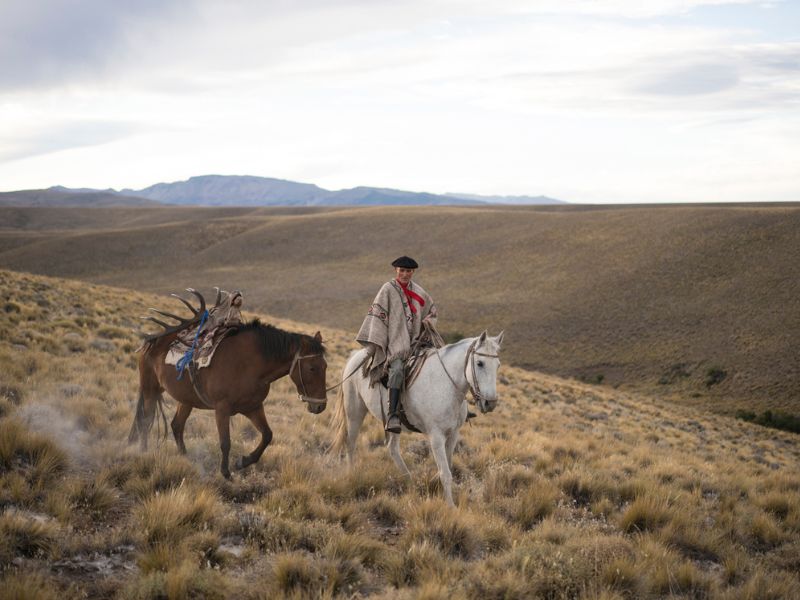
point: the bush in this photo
(715, 375)
(776, 420)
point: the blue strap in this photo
(186, 359)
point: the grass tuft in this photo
(297, 575)
(25, 451)
(454, 533)
(28, 586)
(646, 513)
(30, 537)
(170, 516)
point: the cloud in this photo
(422, 94)
(52, 41)
(692, 80)
(64, 136)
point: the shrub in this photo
(11, 307)
(715, 375)
(776, 420)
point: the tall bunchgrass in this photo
(167, 517)
(31, 452)
(26, 536)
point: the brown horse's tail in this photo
(339, 423)
(139, 414)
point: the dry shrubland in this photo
(567, 490)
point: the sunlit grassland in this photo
(567, 490)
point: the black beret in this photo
(405, 262)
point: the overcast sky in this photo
(585, 100)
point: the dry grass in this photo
(565, 491)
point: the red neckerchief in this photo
(411, 296)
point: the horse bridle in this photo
(471, 353)
(302, 395)
(476, 390)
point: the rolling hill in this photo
(566, 490)
(693, 303)
(59, 196)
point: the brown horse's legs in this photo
(224, 430)
(178, 423)
(151, 399)
(259, 420)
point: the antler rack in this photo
(183, 323)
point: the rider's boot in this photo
(393, 422)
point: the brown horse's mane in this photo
(280, 344)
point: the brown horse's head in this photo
(308, 373)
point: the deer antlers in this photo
(197, 315)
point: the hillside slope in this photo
(662, 299)
(565, 491)
(54, 197)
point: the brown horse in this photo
(237, 381)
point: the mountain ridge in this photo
(251, 190)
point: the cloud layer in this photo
(601, 100)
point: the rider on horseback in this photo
(392, 327)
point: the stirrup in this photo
(393, 424)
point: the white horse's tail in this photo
(339, 423)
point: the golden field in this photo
(691, 303)
(567, 490)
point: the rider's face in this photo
(404, 275)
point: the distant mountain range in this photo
(246, 190)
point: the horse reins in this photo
(361, 364)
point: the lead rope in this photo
(361, 364)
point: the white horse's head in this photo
(481, 369)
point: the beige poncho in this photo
(391, 325)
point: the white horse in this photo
(435, 403)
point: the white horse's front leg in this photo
(355, 410)
(450, 445)
(394, 451)
(440, 456)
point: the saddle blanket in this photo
(207, 344)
